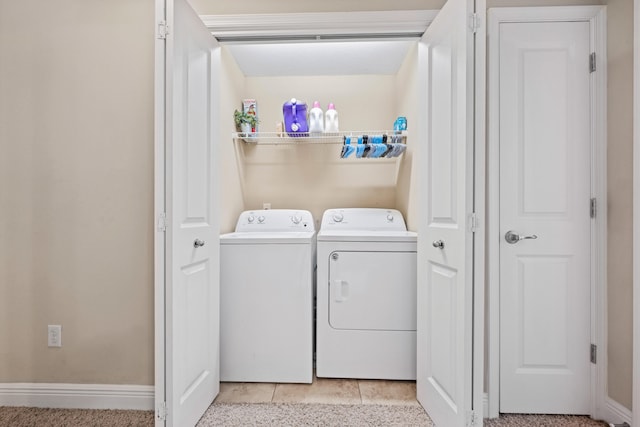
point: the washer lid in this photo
(366, 236)
(275, 220)
(265, 238)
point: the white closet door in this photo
(192, 251)
(545, 135)
(445, 256)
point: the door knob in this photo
(438, 244)
(197, 243)
(513, 238)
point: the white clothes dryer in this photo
(267, 272)
(366, 296)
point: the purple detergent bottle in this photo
(295, 117)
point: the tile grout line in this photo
(359, 392)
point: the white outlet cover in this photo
(54, 336)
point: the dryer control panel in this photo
(370, 219)
(275, 220)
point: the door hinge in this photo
(163, 30)
(161, 412)
(592, 62)
(474, 22)
(593, 208)
(472, 419)
(594, 353)
(473, 222)
(162, 222)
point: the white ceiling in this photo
(320, 57)
(324, 43)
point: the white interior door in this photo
(544, 135)
(192, 251)
(445, 243)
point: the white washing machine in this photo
(366, 296)
(267, 272)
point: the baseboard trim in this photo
(82, 396)
(616, 413)
(613, 412)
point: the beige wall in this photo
(76, 190)
(312, 176)
(407, 98)
(620, 194)
(232, 88)
(76, 177)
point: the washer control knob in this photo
(338, 217)
(250, 219)
(260, 219)
(296, 219)
(390, 217)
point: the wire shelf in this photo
(282, 138)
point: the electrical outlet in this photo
(55, 336)
(266, 206)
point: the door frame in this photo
(596, 17)
(159, 215)
(480, 208)
(636, 215)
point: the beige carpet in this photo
(268, 414)
(312, 414)
(511, 420)
(46, 417)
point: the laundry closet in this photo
(370, 80)
(374, 69)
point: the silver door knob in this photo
(438, 244)
(197, 243)
(513, 238)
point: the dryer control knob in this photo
(250, 219)
(296, 219)
(260, 219)
(338, 217)
(390, 218)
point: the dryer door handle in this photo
(340, 290)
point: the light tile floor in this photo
(322, 390)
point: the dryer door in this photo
(372, 291)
